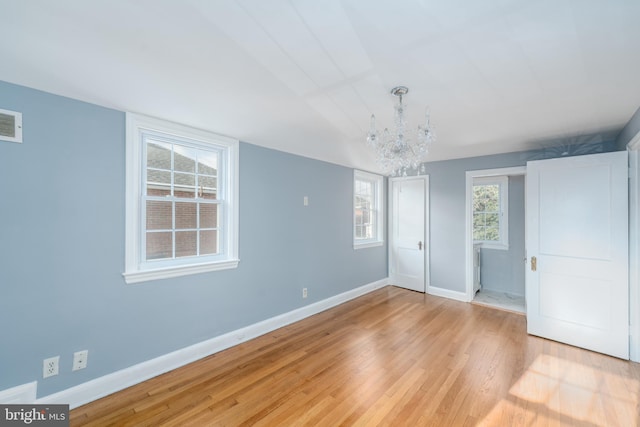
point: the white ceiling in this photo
(303, 76)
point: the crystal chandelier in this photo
(399, 150)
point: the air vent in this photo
(10, 126)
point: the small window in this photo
(368, 214)
(181, 200)
(490, 216)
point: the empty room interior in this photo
(327, 213)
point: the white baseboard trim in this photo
(447, 293)
(22, 394)
(116, 381)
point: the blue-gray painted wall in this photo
(62, 219)
(503, 270)
(629, 131)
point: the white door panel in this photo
(577, 230)
(408, 236)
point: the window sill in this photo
(365, 245)
(182, 270)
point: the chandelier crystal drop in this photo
(400, 150)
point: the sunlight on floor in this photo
(553, 390)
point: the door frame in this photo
(391, 220)
(469, 177)
(633, 149)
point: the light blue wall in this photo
(629, 131)
(62, 210)
(503, 270)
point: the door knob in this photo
(420, 245)
(534, 263)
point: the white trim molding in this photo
(21, 394)
(447, 293)
(116, 381)
(633, 149)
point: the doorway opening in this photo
(495, 232)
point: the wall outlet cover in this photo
(80, 359)
(50, 366)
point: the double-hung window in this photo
(182, 200)
(490, 215)
(368, 213)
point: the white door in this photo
(408, 252)
(577, 247)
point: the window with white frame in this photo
(182, 200)
(490, 215)
(368, 213)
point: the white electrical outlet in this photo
(305, 201)
(304, 292)
(80, 359)
(50, 366)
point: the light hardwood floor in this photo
(392, 357)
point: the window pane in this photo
(186, 243)
(491, 233)
(186, 215)
(478, 233)
(367, 188)
(492, 220)
(491, 205)
(158, 183)
(184, 159)
(359, 232)
(184, 185)
(366, 216)
(185, 192)
(367, 232)
(159, 155)
(207, 163)
(159, 245)
(184, 180)
(479, 205)
(207, 187)
(208, 242)
(478, 220)
(208, 215)
(159, 215)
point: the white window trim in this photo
(503, 182)
(136, 270)
(378, 182)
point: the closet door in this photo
(577, 247)
(408, 248)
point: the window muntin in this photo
(490, 212)
(367, 210)
(182, 202)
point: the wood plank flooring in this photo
(391, 358)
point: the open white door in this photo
(577, 247)
(408, 251)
